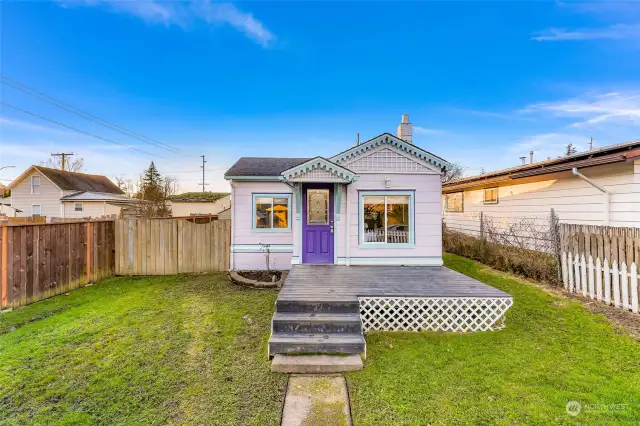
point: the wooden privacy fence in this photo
(169, 246)
(601, 262)
(42, 260)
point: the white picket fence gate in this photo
(601, 263)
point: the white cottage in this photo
(376, 203)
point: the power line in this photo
(87, 116)
(78, 130)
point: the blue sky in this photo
(484, 82)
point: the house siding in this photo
(181, 209)
(248, 240)
(427, 226)
(573, 200)
(94, 209)
(48, 199)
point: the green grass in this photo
(552, 351)
(185, 349)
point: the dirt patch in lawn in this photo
(262, 276)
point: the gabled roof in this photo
(98, 196)
(257, 166)
(319, 163)
(389, 139)
(71, 181)
(606, 155)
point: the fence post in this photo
(555, 237)
(482, 226)
(88, 237)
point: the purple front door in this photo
(317, 223)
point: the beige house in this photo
(597, 187)
(191, 204)
(53, 193)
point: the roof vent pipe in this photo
(530, 157)
(524, 160)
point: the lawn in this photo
(552, 351)
(185, 349)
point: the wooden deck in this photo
(346, 283)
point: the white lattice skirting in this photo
(460, 314)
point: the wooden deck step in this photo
(330, 343)
(318, 306)
(311, 322)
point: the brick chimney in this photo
(405, 129)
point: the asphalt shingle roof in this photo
(257, 166)
(70, 181)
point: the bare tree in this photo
(75, 165)
(455, 172)
(126, 185)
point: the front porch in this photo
(327, 308)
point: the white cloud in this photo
(5, 121)
(427, 131)
(183, 13)
(546, 145)
(594, 109)
(613, 32)
(227, 13)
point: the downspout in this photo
(607, 195)
(233, 223)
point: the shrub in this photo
(527, 263)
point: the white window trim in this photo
(75, 204)
(32, 185)
(385, 245)
(446, 204)
(270, 195)
(484, 196)
(39, 207)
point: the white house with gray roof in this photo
(53, 193)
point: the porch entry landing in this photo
(327, 308)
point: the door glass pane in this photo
(373, 219)
(263, 212)
(318, 207)
(280, 213)
(398, 219)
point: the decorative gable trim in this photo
(387, 159)
(437, 163)
(319, 170)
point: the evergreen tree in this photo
(154, 193)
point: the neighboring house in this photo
(225, 214)
(604, 190)
(199, 203)
(377, 203)
(42, 191)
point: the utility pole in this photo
(591, 144)
(64, 155)
(203, 162)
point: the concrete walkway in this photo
(316, 400)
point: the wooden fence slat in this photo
(27, 288)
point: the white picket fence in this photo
(612, 279)
(600, 281)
